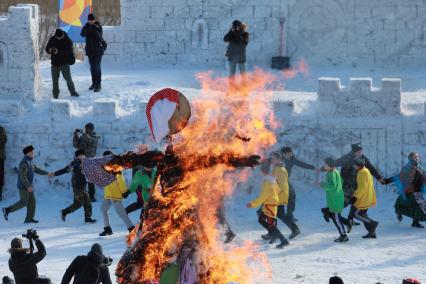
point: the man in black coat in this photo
(349, 173)
(79, 183)
(238, 39)
(60, 47)
(23, 262)
(3, 141)
(95, 47)
(89, 269)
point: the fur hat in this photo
(28, 149)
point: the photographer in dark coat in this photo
(23, 261)
(238, 39)
(60, 47)
(95, 47)
(89, 269)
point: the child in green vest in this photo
(142, 183)
(335, 198)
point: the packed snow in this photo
(312, 257)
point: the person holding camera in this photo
(238, 39)
(23, 261)
(79, 182)
(60, 47)
(27, 169)
(89, 269)
(88, 143)
(95, 48)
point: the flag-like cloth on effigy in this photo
(73, 16)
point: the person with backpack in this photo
(335, 198)
(113, 195)
(269, 201)
(60, 48)
(89, 269)
(95, 48)
(79, 183)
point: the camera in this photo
(78, 131)
(31, 234)
(107, 261)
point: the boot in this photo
(349, 226)
(283, 243)
(294, 233)
(399, 217)
(31, 221)
(74, 94)
(5, 213)
(131, 228)
(342, 239)
(91, 88)
(416, 224)
(229, 237)
(267, 236)
(107, 231)
(370, 236)
(63, 214)
(97, 88)
(90, 220)
(272, 240)
(325, 214)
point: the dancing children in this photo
(335, 198)
(268, 199)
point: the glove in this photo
(126, 194)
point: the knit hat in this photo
(91, 17)
(285, 150)
(359, 162)
(78, 153)
(59, 33)
(28, 149)
(336, 280)
(330, 162)
(236, 23)
(16, 243)
(97, 248)
(356, 147)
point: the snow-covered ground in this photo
(311, 258)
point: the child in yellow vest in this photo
(269, 201)
(113, 194)
(364, 198)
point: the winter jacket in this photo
(268, 197)
(88, 142)
(24, 265)
(349, 173)
(26, 173)
(334, 191)
(78, 180)
(281, 175)
(293, 161)
(94, 41)
(144, 182)
(365, 194)
(3, 141)
(115, 190)
(87, 269)
(65, 55)
(238, 41)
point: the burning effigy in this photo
(229, 129)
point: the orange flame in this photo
(223, 116)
